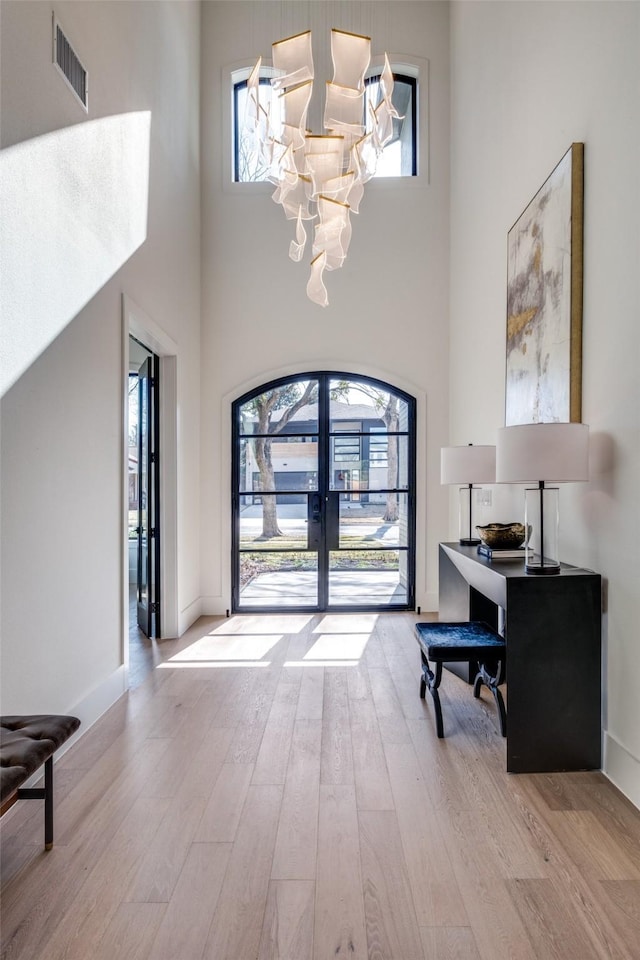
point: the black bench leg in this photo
(432, 681)
(43, 793)
(501, 710)
(48, 804)
(491, 680)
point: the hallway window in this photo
(398, 159)
(248, 167)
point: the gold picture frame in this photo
(543, 382)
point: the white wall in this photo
(527, 80)
(387, 314)
(63, 606)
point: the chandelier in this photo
(320, 177)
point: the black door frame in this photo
(331, 498)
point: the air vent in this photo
(66, 59)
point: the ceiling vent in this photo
(66, 60)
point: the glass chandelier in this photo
(320, 177)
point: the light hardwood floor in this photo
(259, 796)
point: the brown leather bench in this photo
(27, 742)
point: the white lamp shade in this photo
(470, 464)
(554, 452)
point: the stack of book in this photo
(498, 553)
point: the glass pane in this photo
(397, 158)
(267, 522)
(288, 409)
(369, 462)
(250, 165)
(143, 498)
(278, 579)
(282, 463)
(341, 425)
(373, 520)
(143, 563)
(368, 578)
(360, 407)
(133, 457)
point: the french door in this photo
(324, 495)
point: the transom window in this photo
(398, 159)
(247, 165)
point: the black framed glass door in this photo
(148, 530)
(323, 495)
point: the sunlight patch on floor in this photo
(228, 648)
(204, 664)
(321, 663)
(347, 623)
(262, 624)
(244, 641)
(338, 646)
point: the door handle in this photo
(316, 507)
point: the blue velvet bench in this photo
(27, 742)
(449, 642)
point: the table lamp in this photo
(542, 452)
(467, 465)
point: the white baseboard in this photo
(622, 768)
(215, 606)
(189, 615)
(88, 710)
(97, 702)
(428, 603)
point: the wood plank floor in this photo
(274, 790)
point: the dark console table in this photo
(552, 628)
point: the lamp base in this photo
(541, 556)
(468, 542)
(540, 571)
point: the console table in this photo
(552, 628)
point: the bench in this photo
(26, 743)
(468, 641)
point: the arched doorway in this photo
(324, 495)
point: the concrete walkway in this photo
(299, 588)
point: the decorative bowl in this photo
(502, 536)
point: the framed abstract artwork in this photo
(544, 301)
